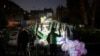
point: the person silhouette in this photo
(22, 41)
(52, 42)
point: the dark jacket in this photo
(23, 37)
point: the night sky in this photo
(39, 4)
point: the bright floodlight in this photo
(44, 17)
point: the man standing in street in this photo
(52, 42)
(23, 39)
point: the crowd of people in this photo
(25, 36)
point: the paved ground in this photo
(93, 50)
(35, 52)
